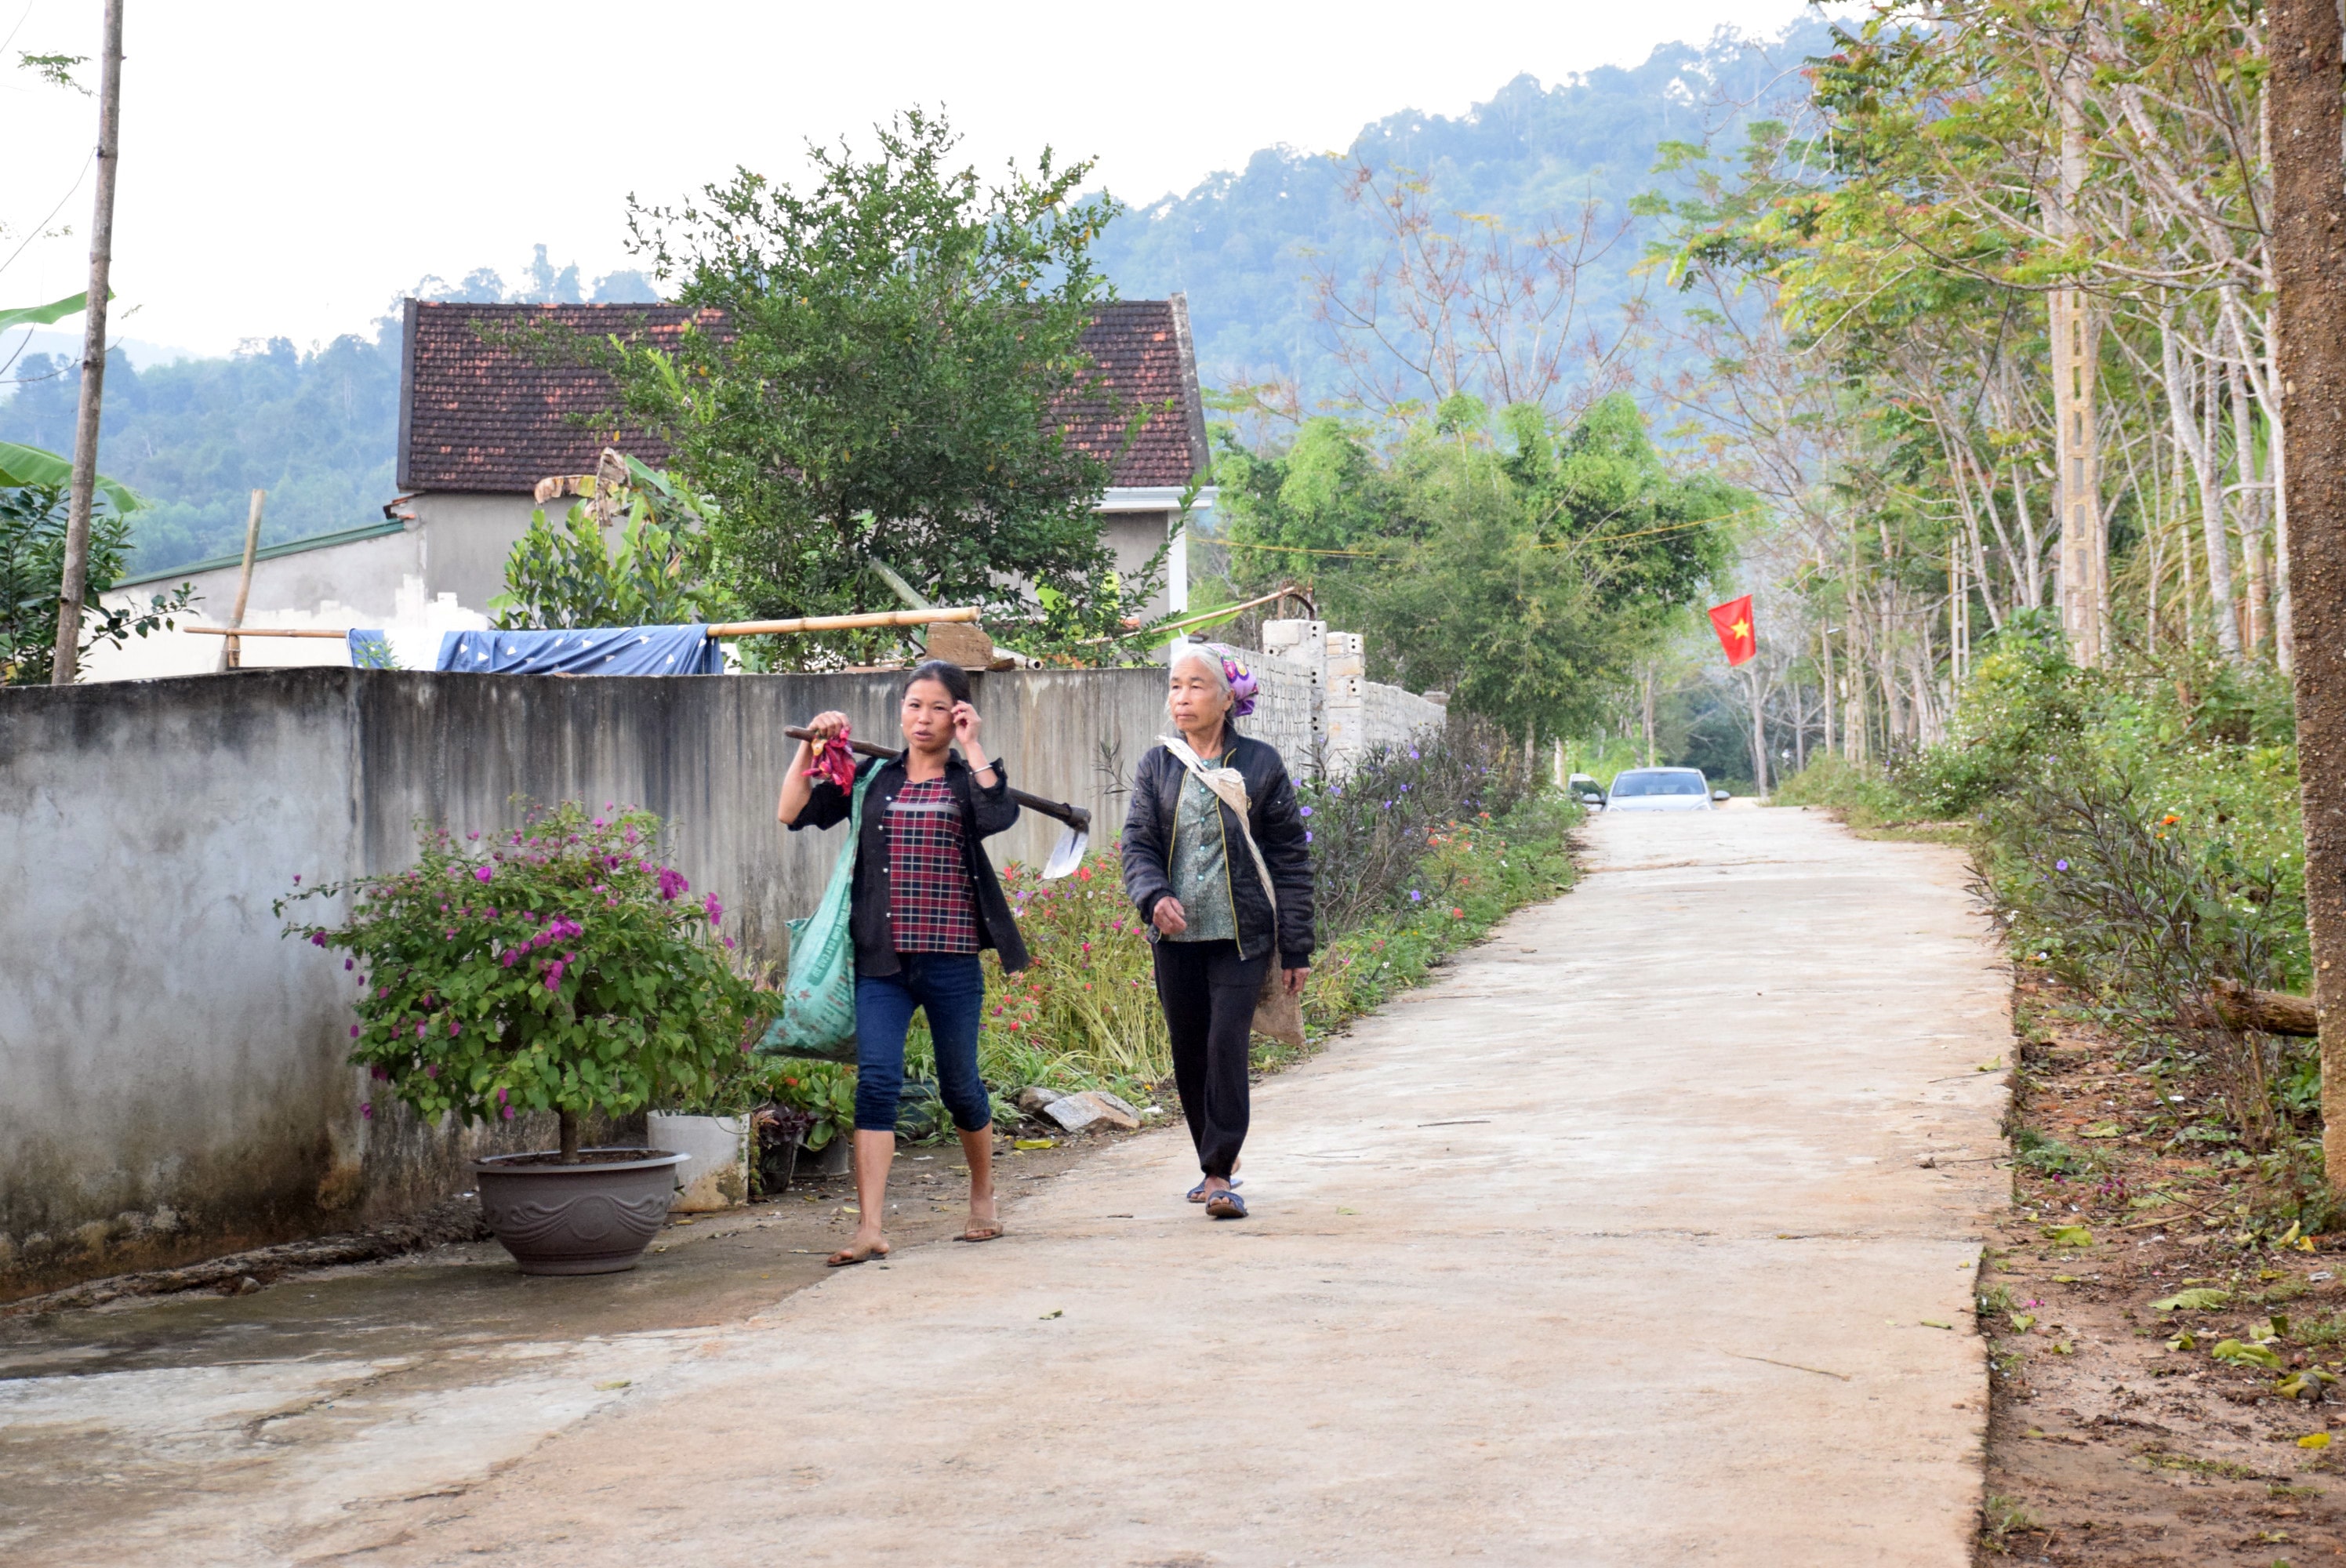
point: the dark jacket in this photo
(985, 810)
(1278, 825)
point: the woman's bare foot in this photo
(985, 1222)
(866, 1245)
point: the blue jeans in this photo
(950, 988)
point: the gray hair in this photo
(1203, 653)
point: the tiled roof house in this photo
(480, 424)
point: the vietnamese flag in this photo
(1732, 622)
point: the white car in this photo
(1661, 789)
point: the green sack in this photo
(819, 997)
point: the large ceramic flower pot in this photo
(594, 1217)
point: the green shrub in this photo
(562, 969)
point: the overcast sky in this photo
(288, 168)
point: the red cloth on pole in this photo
(1732, 622)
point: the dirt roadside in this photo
(2116, 1435)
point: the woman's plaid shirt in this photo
(929, 905)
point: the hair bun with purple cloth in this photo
(1244, 688)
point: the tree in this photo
(658, 574)
(872, 386)
(32, 565)
(1523, 564)
(2309, 258)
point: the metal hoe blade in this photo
(1068, 855)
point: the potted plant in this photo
(560, 968)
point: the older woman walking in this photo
(1215, 859)
(925, 902)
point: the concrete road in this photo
(1612, 1247)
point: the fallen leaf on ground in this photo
(2101, 1130)
(2243, 1355)
(1055, 1312)
(1038, 1144)
(2069, 1235)
(2200, 1299)
(2314, 1440)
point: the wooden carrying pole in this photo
(1058, 810)
(839, 622)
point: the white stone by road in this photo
(1610, 1249)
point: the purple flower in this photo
(317, 938)
(501, 1097)
(354, 1031)
(715, 910)
(2060, 865)
(432, 1069)
(729, 944)
(1416, 897)
(1307, 835)
(366, 1111)
(382, 1073)
(297, 879)
(554, 975)
(508, 1112)
(419, 1031)
(484, 874)
(452, 1029)
(1412, 757)
(1307, 811)
(672, 884)
(349, 963)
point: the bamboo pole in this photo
(64, 665)
(232, 654)
(839, 622)
(264, 631)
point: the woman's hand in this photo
(966, 724)
(798, 783)
(1169, 917)
(1295, 979)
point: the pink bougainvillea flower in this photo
(453, 1030)
(380, 1072)
(317, 938)
(366, 1110)
(508, 1112)
(715, 910)
(501, 1097)
(354, 1031)
(672, 884)
(432, 1069)
(486, 874)
(350, 963)
(554, 975)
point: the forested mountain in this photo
(1243, 246)
(316, 429)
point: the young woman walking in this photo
(925, 902)
(1215, 859)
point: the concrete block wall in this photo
(176, 1084)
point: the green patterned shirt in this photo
(1201, 878)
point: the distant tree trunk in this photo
(1649, 694)
(2251, 512)
(2075, 351)
(65, 664)
(1758, 732)
(2308, 251)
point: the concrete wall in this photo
(175, 1073)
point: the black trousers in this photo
(1207, 992)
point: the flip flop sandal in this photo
(1226, 1206)
(983, 1229)
(1197, 1193)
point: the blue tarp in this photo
(605, 650)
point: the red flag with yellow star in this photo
(1732, 622)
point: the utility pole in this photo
(66, 664)
(2309, 253)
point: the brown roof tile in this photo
(477, 416)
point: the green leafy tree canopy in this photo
(876, 382)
